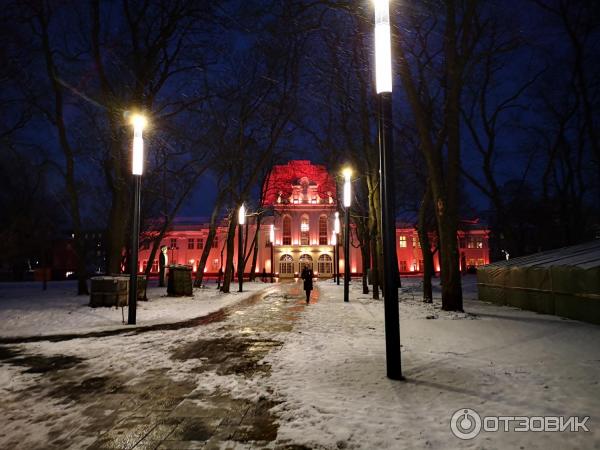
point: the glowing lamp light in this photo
(272, 234)
(242, 215)
(383, 47)
(336, 223)
(347, 172)
(139, 122)
(334, 239)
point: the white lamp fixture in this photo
(334, 238)
(139, 123)
(383, 47)
(347, 172)
(242, 215)
(336, 223)
(272, 234)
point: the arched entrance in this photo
(325, 265)
(286, 266)
(306, 259)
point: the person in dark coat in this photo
(307, 276)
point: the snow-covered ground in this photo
(328, 376)
(495, 360)
(26, 310)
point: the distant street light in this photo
(347, 172)
(337, 229)
(241, 222)
(137, 168)
(383, 78)
(272, 239)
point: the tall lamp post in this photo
(383, 78)
(272, 240)
(347, 172)
(137, 168)
(241, 222)
(337, 229)
(334, 243)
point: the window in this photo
(154, 265)
(403, 266)
(287, 231)
(304, 231)
(191, 244)
(200, 243)
(306, 259)
(403, 243)
(286, 265)
(325, 264)
(314, 200)
(480, 262)
(173, 243)
(323, 230)
(215, 243)
(474, 242)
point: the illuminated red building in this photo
(302, 197)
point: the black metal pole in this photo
(347, 257)
(135, 242)
(272, 263)
(337, 257)
(388, 220)
(240, 258)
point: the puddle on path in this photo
(228, 354)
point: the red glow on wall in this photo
(283, 177)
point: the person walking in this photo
(307, 276)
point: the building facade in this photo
(301, 201)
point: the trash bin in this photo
(179, 281)
(109, 291)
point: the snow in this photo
(495, 360)
(329, 374)
(26, 310)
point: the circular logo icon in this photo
(465, 423)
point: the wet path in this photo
(199, 385)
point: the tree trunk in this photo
(230, 249)
(212, 231)
(423, 230)
(255, 247)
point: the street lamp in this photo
(334, 243)
(137, 168)
(347, 172)
(383, 78)
(272, 239)
(337, 229)
(241, 222)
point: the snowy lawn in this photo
(26, 310)
(495, 360)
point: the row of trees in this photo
(500, 107)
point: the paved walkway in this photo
(153, 410)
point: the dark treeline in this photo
(495, 115)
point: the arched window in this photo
(325, 264)
(287, 231)
(323, 230)
(286, 265)
(306, 259)
(304, 231)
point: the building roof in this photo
(584, 256)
